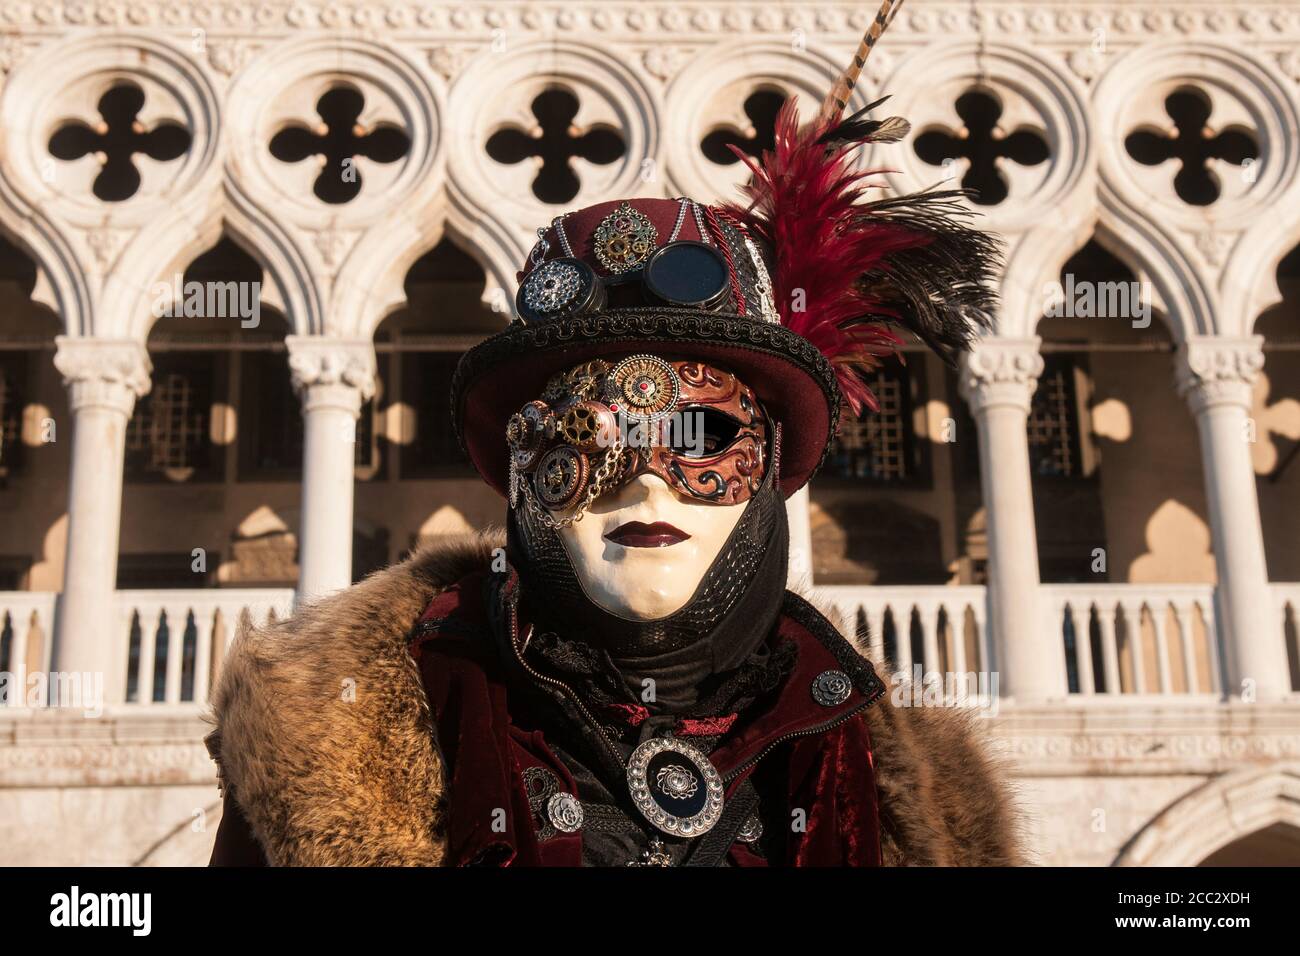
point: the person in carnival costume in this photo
(623, 679)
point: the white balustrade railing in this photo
(26, 636)
(942, 628)
(1154, 639)
(1136, 638)
(175, 640)
(1286, 605)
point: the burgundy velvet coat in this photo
(375, 728)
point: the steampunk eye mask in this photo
(599, 424)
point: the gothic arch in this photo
(1222, 811)
(292, 287)
(494, 249)
(1048, 212)
(1250, 278)
(1180, 290)
(727, 69)
(1135, 257)
(60, 284)
(340, 266)
(90, 251)
(1212, 263)
(609, 93)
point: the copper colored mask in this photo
(599, 425)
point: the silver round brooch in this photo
(552, 286)
(831, 687)
(565, 812)
(675, 787)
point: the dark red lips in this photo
(634, 534)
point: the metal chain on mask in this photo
(611, 467)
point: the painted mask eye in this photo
(700, 432)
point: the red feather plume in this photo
(845, 270)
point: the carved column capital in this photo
(1213, 370)
(332, 372)
(103, 373)
(1001, 372)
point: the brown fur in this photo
(324, 738)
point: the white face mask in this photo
(646, 583)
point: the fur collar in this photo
(325, 739)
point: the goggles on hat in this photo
(682, 274)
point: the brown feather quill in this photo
(837, 99)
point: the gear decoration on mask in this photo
(624, 239)
(588, 426)
(561, 477)
(527, 431)
(552, 287)
(645, 388)
(675, 786)
(615, 418)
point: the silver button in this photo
(751, 831)
(831, 688)
(564, 812)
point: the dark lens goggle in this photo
(684, 274)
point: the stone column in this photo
(104, 377)
(333, 378)
(998, 379)
(801, 567)
(1216, 376)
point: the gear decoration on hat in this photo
(552, 287)
(645, 388)
(561, 477)
(624, 239)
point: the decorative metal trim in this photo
(831, 688)
(646, 387)
(640, 784)
(624, 239)
(552, 286)
(564, 810)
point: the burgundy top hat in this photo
(799, 290)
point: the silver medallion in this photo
(831, 688)
(552, 286)
(565, 812)
(675, 787)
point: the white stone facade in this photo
(1106, 777)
